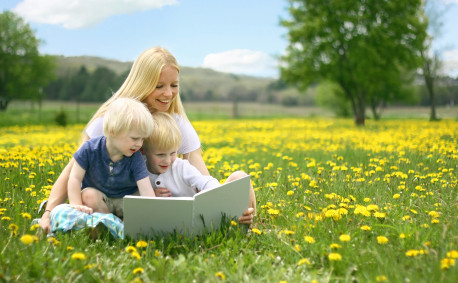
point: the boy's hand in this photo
(162, 192)
(247, 217)
(83, 208)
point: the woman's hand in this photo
(162, 192)
(247, 217)
(45, 222)
(83, 208)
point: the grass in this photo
(336, 203)
(28, 113)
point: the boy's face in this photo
(127, 143)
(159, 161)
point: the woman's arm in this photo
(195, 158)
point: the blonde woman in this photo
(153, 80)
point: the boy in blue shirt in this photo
(111, 166)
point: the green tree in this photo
(360, 45)
(23, 72)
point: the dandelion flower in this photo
(396, 196)
(412, 253)
(380, 278)
(157, 253)
(130, 249)
(335, 246)
(34, 227)
(309, 239)
(447, 262)
(79, 256)
(452, 254)
(6, 218)
(233, 223)
(334, 257)
(135, 255)
(138, 270)
(402, 236)
(28, 239)
(256, 231)
(382, 240)
(344, 238)
(303, 261)
(220, 275)
(290, 193)
(365, 228)
(141, 244)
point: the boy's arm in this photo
(145, 188)
(74, 188)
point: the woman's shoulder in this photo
(95, 128)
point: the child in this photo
(109, 167)
(168, 171)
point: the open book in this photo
(148, 216)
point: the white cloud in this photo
(76, 14)
(242, 61)
(450, 62)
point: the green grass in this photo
(303, 171)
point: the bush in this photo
(61, 118)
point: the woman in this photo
(153, 80)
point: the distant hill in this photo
(196, 83)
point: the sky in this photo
(237, 36)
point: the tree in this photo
(431, 62)
(360, 45)
(23, 72)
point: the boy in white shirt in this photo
(167, 170)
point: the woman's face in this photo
(165, 92)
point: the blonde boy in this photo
(109, 167)
(175, 175)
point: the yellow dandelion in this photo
(380, 215)
(365, 228)
(135, 255)
(380, 278)
(290, 193)
(452, 254)
(335, 246)
(309, 239)
(28, 239)
(141, 244)
(382, 240)
(6, 218)
(446, 263)
(138, 270)
(402, 236)
(78, 256)
(157, 253)
(344, 238)
(366, 199)
(26, 215)
(220, 275)
(34, 227)
(233, 223)
(396, 196)
(69, 248)
(130, 249)
(412, 253)
(256, 231)
(297, 247)
(305, 261)
(334, 257)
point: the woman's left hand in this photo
(247, 217)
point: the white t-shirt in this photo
(189, 138)
(183, 180)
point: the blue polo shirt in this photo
(115, 179)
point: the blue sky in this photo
(238, 36)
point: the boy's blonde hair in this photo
(166, 133)
(126, 114)
(143, 78)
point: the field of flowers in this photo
(336, 203)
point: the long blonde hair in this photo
(143, 78)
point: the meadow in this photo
(336, 203)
